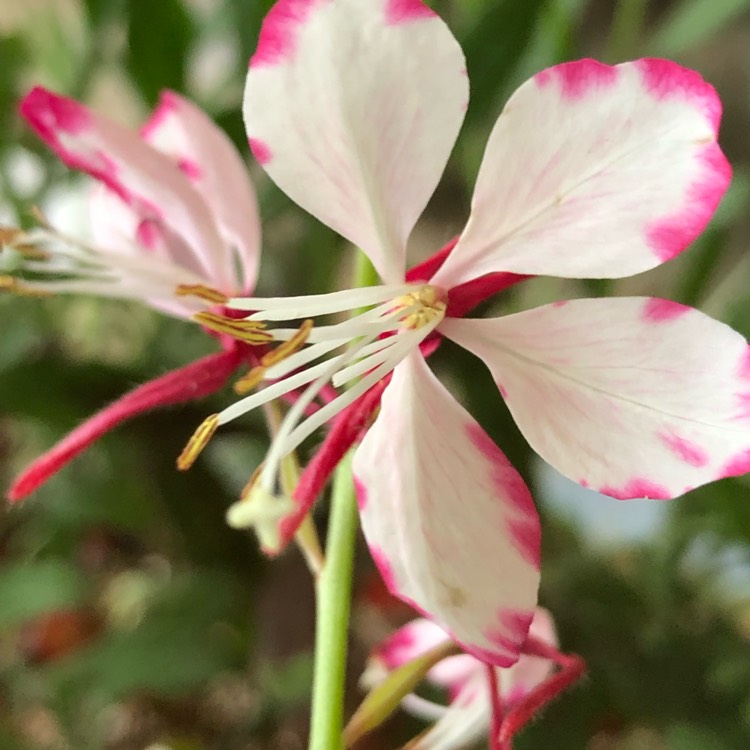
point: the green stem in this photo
(333, 595)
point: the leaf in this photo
(175, 649)
(693, 737)
(247, 16)
(159, 37)
(28, 590)
(493, 47)
(100, 11)
(691, 23)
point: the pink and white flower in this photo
(352, 107)
(468, 717)
(174, 207)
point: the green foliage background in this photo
(131, 615)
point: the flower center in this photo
(395, 321)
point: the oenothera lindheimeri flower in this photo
(174, 208)
(352, 107)
(471, 711)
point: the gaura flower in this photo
(174, 208)
(591, 171)
(470, 713)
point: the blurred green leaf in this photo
(55, 391)
(28, 590)
(693, 737)
(99, 11)
(9, 741)
(493, 47)
(159, 38)
(722, 509)
(691, 23)
(175, 649)
(287, 684)
(247, 16)
(13, 56)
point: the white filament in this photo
(310, 305)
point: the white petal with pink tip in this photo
(595, 171)
(449, 521)
(633, 397)
(117, 229)
(353, 107)
(148, 181)
(210, 161)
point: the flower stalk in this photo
(333, 599)
(333, 594)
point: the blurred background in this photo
(131, 617)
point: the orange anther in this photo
(294, 344)
(206, 293)
(247, 382)
(249, 331)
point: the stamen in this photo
(322, 415)
(303, 357)
(377, 340)
(249, 331)
(201, 291)
(370, 324)
(198, 442)
(282, 352)
(272, 391)
(367, 363)
(288, 308)
(250, 381)
(289, 347)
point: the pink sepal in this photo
(572, 668)
(425, 270)
(195, 381)
(467, 296)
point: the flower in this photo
(469, 715)
(174, 209)
(591, 170)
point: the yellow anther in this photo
(249, 331)
(253, 378)
(431, 304)
(289, 347)
(198, 442)
(15, 286)
(206, 293)
(247, 382)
